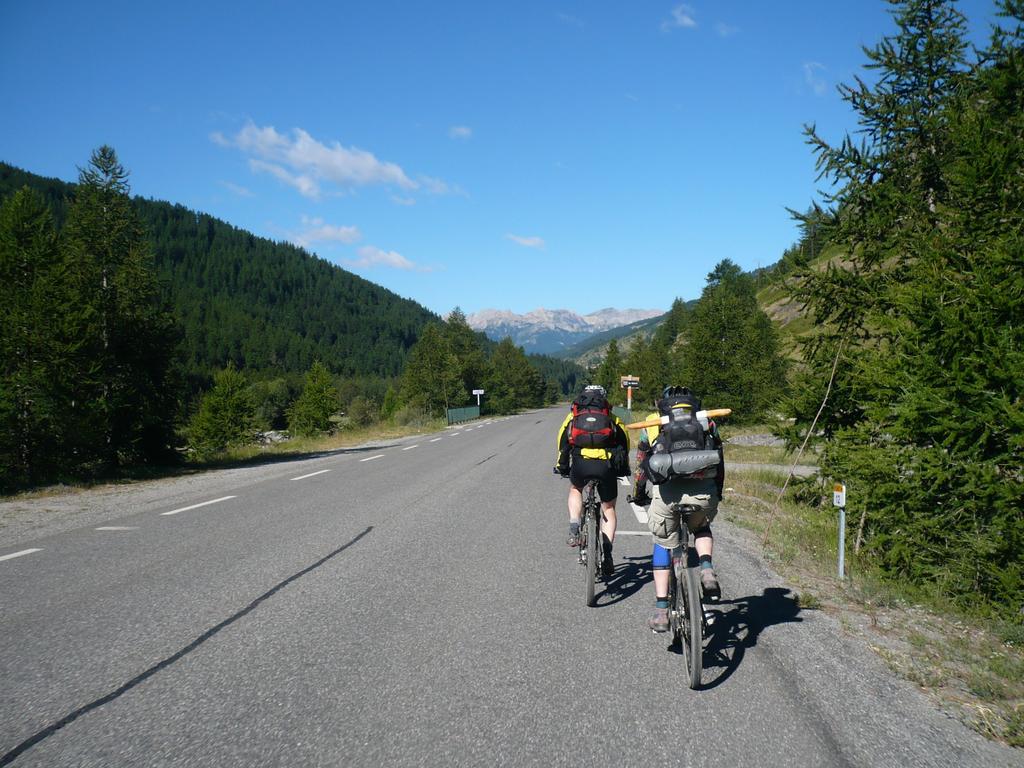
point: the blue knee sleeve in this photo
(661, 559)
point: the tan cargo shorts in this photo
(664, 515)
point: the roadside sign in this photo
(477, 391)
(838, 495)
(629, 382)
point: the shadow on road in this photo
(12, 754)
(629, 577)
(738, 628)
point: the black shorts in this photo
(583, 470)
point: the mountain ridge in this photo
(551, 331)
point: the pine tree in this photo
(225, 417)
(127, 373)
(731, 358)
(514, 383)
(431, 378)
(466, 346)
(926, 415)
(31, 346)
(311, 413)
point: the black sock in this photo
(574, 528)
(607, 545)
(705, 561)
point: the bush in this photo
(362, 412)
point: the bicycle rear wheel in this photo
(590, 547)
(692, 624)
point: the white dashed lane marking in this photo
(640, 512)
(20, 554)
(436, 439)
(311, 474)
(118, 528)
(624, 481)
(410, 447)
(371, 458)
(196, 506)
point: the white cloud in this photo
(317, 231)
(813, 78)
(371, 256)
(725, 30)
(307, 187)
(304, 162)
(682, 18)
(527, 242)
(238, 189)
(460, 132)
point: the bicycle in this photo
(687, 618)
(590, 551)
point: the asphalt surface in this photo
(418, 606)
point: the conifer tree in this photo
(311, 413)
(514, 383)
(32, 382)
(926, 414)
(468, 352)
(609, 371)
(225, 417)
(431, 378)
(731, 358)
(127, 370)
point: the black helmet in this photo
(674, 391)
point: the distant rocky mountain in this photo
(551, 331)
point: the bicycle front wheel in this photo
(590, 552)
(693, 626)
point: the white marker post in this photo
(477, 392)
(839, 500)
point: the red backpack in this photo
(592, 425)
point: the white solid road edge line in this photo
(19, 554)
(371, 458)
(200, 504)
(311, 474)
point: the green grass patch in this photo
(972, 665)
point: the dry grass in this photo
(972, 667)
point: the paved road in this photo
(417, 605)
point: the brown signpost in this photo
(628, 383)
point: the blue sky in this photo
(516, 155)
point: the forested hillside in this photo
(135, 331)
(262, 305)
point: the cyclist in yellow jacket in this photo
(593, 445)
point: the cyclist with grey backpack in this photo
(593, 445)
(687, 467)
